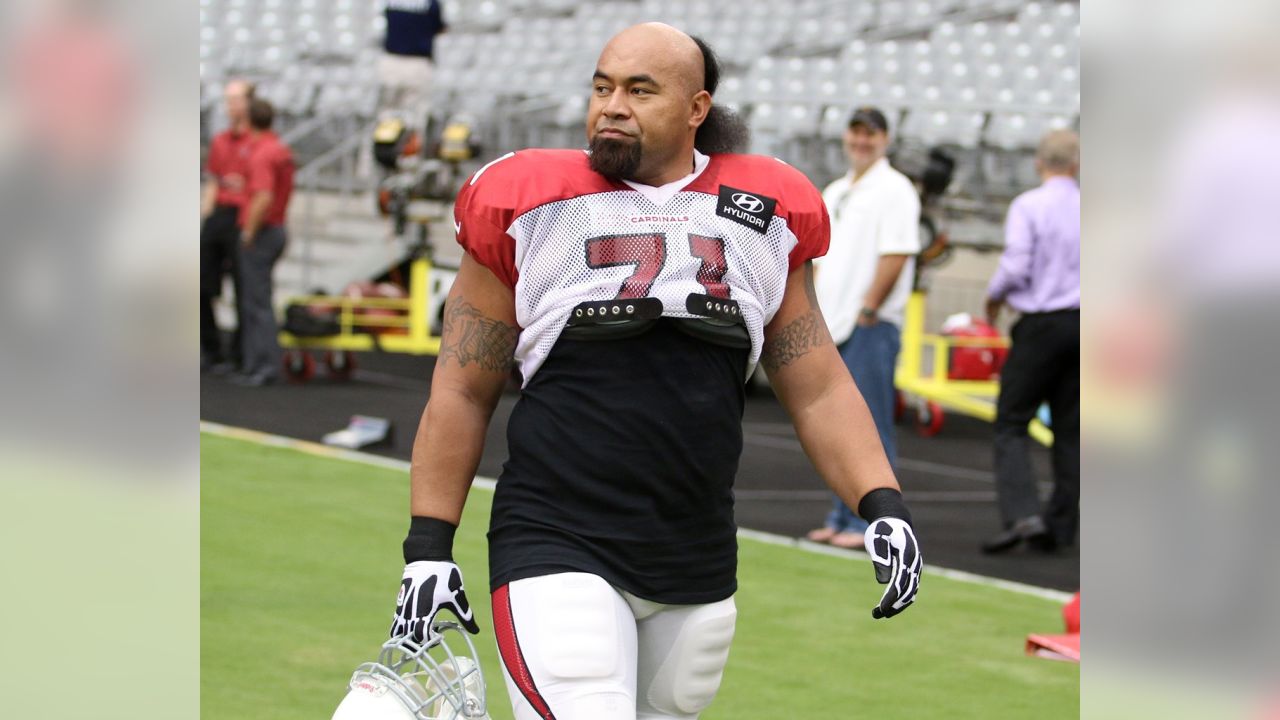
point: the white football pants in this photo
(574, 647)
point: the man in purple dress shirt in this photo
(1039, 276)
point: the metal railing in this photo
(333, 170)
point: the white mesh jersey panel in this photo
(618, 244)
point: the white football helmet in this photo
(418, 682)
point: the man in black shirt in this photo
(404, 71)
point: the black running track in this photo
(946, 479)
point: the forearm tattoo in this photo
(800, 335)
(472, 337)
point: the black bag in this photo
(306, 321)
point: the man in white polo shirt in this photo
(864, 281)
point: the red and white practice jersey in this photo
(560, 234)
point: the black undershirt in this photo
(622, 455)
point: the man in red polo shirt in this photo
(221, 198)
(268, 186)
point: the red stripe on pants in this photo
(509, 647)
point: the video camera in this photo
(931, 171)
(412, 172)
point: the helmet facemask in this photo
(431, 680)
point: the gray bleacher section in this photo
(985, 78)
(971, 74)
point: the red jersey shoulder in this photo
(797, 200)
(518, 182)
(770, 177)
(509, 186)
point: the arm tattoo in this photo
(796, 339)
(800, 335)
(471, 337)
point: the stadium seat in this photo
(762, 88)
(571, 111)
(891, 12)
(828, 93)
(942, 66)
(1016, 130)
(857, 70)
(1031, 11)
(1021, 55)
(765, 117)
(953, 51)
(799, 120)
(887, 50)
(991, 79)
(834, 120)
(943, 127)
(967, 127)
(921, 13)
(924, 126)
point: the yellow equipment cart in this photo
(922, 376)
(400, 325)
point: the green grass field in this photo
(300, 562)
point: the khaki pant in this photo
(405, 89)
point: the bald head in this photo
(239, 86)
(1059, 152)
(237, 94)
(674, 51)
(647, 103)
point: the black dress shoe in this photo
(1042, 542)
(1006, 540)
(224, 367)
(253, 380)
(1032, 530)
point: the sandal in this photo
(849, 540)
(821, 535)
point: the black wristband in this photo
(883, 502)
(429, 539)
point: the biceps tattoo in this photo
(796, 339)
(801, 335)
(471, 337)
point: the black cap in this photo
(871, 117)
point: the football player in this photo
(636, 285)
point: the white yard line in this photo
(488, 484)
(933, 570)
(914, 496)
(777, 442)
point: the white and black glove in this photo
(894, 552)
(432, 582)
